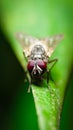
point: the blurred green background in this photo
(40, 19)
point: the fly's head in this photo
(36, 67)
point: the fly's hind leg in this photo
(48, 75)
(29, 79)
(29, 86)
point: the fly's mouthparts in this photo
(36, 69)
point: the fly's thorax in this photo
(39, 57)
(38, 52)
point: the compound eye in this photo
(42, 64)
(30, 65)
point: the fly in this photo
(37, 53)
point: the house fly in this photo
(37, 52)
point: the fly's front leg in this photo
(48, 71)
(53, 63)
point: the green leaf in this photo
(49, 100)
(40, 19)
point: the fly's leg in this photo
(30, 82)
(48, 71)
(48, 74)
(54, 62)
(25, 56)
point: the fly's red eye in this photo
(30, 65)
(39, 63)
(42, 64)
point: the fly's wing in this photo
(51, 42)
(26, 42)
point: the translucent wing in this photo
(51, 42)
(26, 42)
